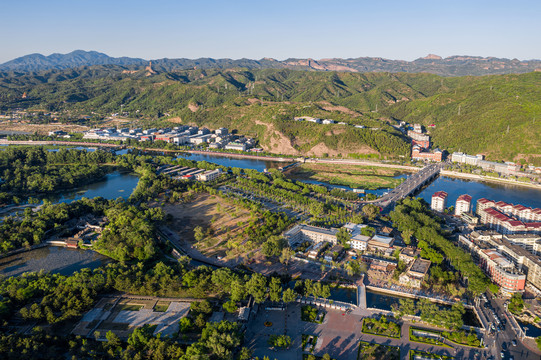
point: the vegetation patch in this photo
(312, 314)
(381, 327)
(462, 337)
(128, 307)
(426, 336)
(161, 306)
(309, 342)
(354, 176)
(368, 351)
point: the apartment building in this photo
(463, 204)
(439, 201)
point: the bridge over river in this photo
(412, 184)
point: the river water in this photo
(254, 164)
(494, 191)
(384, 301)
(454, 187)
(53, 259)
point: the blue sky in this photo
(279, 29)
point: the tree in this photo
(538, 342)
(289, 295)
(198, 233)
(275, 289)
(257, 287)
(516, 304)
(280, 341)
(287, 254)
(343, 236)
(371, 211)
(230, 306)
(245, 354)
(368, 231)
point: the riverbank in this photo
(352, 176)
(482, 178)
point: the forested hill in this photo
(494, 115)
(450, 66)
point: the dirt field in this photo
(221, 221)
(42, 129)
(350, 175)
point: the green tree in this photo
(275, 289)
(289, 295)
(257, 287)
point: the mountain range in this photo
(450, 66)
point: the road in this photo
(496, 340)
(409, 186)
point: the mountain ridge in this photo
(456, 65)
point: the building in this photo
(409, 254)
(316, 249)
(478, 160)
(221, 131)
(333, 253)
(508, 218)
(507, 264)
(420, 139)
(502, 271)
(236, 146)
(463, 204)
(301, 233)
(466, 159)
(439, 201)
(381, 243)
(419, 153)
(416, 273)
(357, 241)
(209, 175)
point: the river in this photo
(254, 164)
(494, 191)
(384, 301)
(453, 186)
(53, 259)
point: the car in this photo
(502, 354)
(504, 346)
(514, 342)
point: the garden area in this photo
(462, 337)
(381, 327)
(426, 336)
(368, 351)
(308, 343)
(312, 314)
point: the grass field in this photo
(355, 176)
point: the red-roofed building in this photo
(439, 201)
(463, 204)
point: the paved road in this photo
(409, 186)
(339, 335)
(496, 340)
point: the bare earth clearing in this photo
(221, 221)
(41, 129)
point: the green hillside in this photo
(264, 102)
(499, 116)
